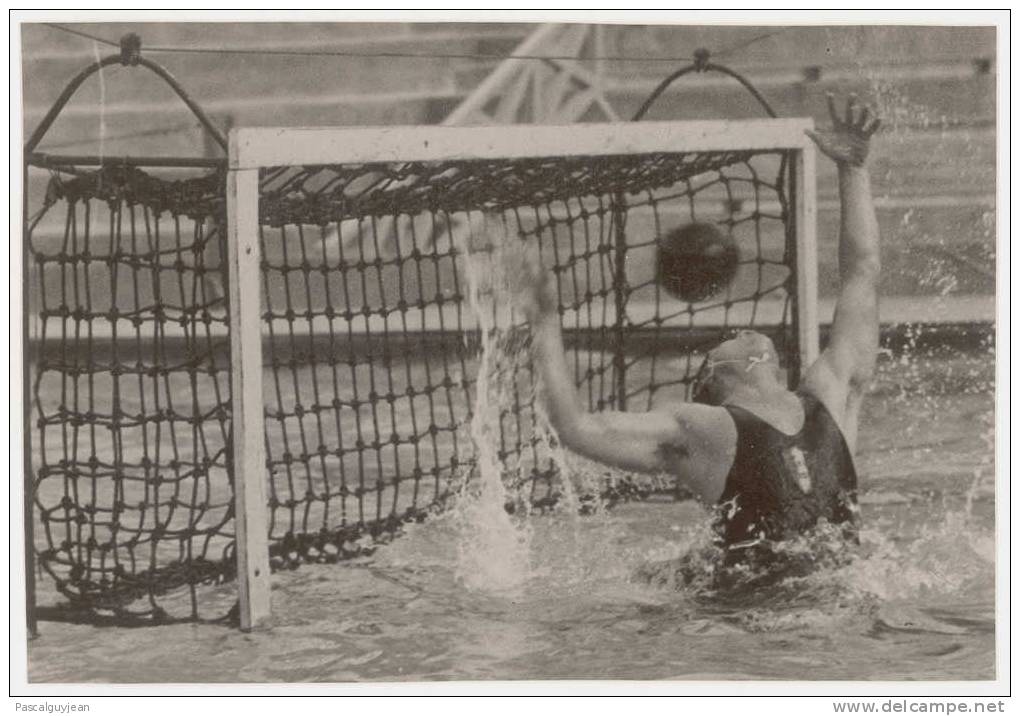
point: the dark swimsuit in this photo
(780, 486)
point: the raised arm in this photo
(848, 362)
(680, 440)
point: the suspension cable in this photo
(396, 54)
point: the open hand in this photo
(848, 140)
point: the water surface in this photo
(915, 602)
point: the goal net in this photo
(369, 342)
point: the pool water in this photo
(557, 596)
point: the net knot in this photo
(130, 49)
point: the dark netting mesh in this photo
(371, 348)
(131, 387)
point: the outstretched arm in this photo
(844, 368)
(678, 440)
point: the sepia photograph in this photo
(415, 350)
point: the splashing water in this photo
(944, 559)
(933, 162)
(493, 546)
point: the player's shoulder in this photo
(708, 438)
(824, 378)
(709, 425)
(839, 396)
(697, 412)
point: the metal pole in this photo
(620, 295)
(247, 417)
(806, 261)
(26, 386)
(59, 161)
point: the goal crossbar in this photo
(257, 147)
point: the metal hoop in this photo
(129, 56)
(701, 64)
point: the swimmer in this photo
(776, 461)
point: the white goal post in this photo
(253, 149)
